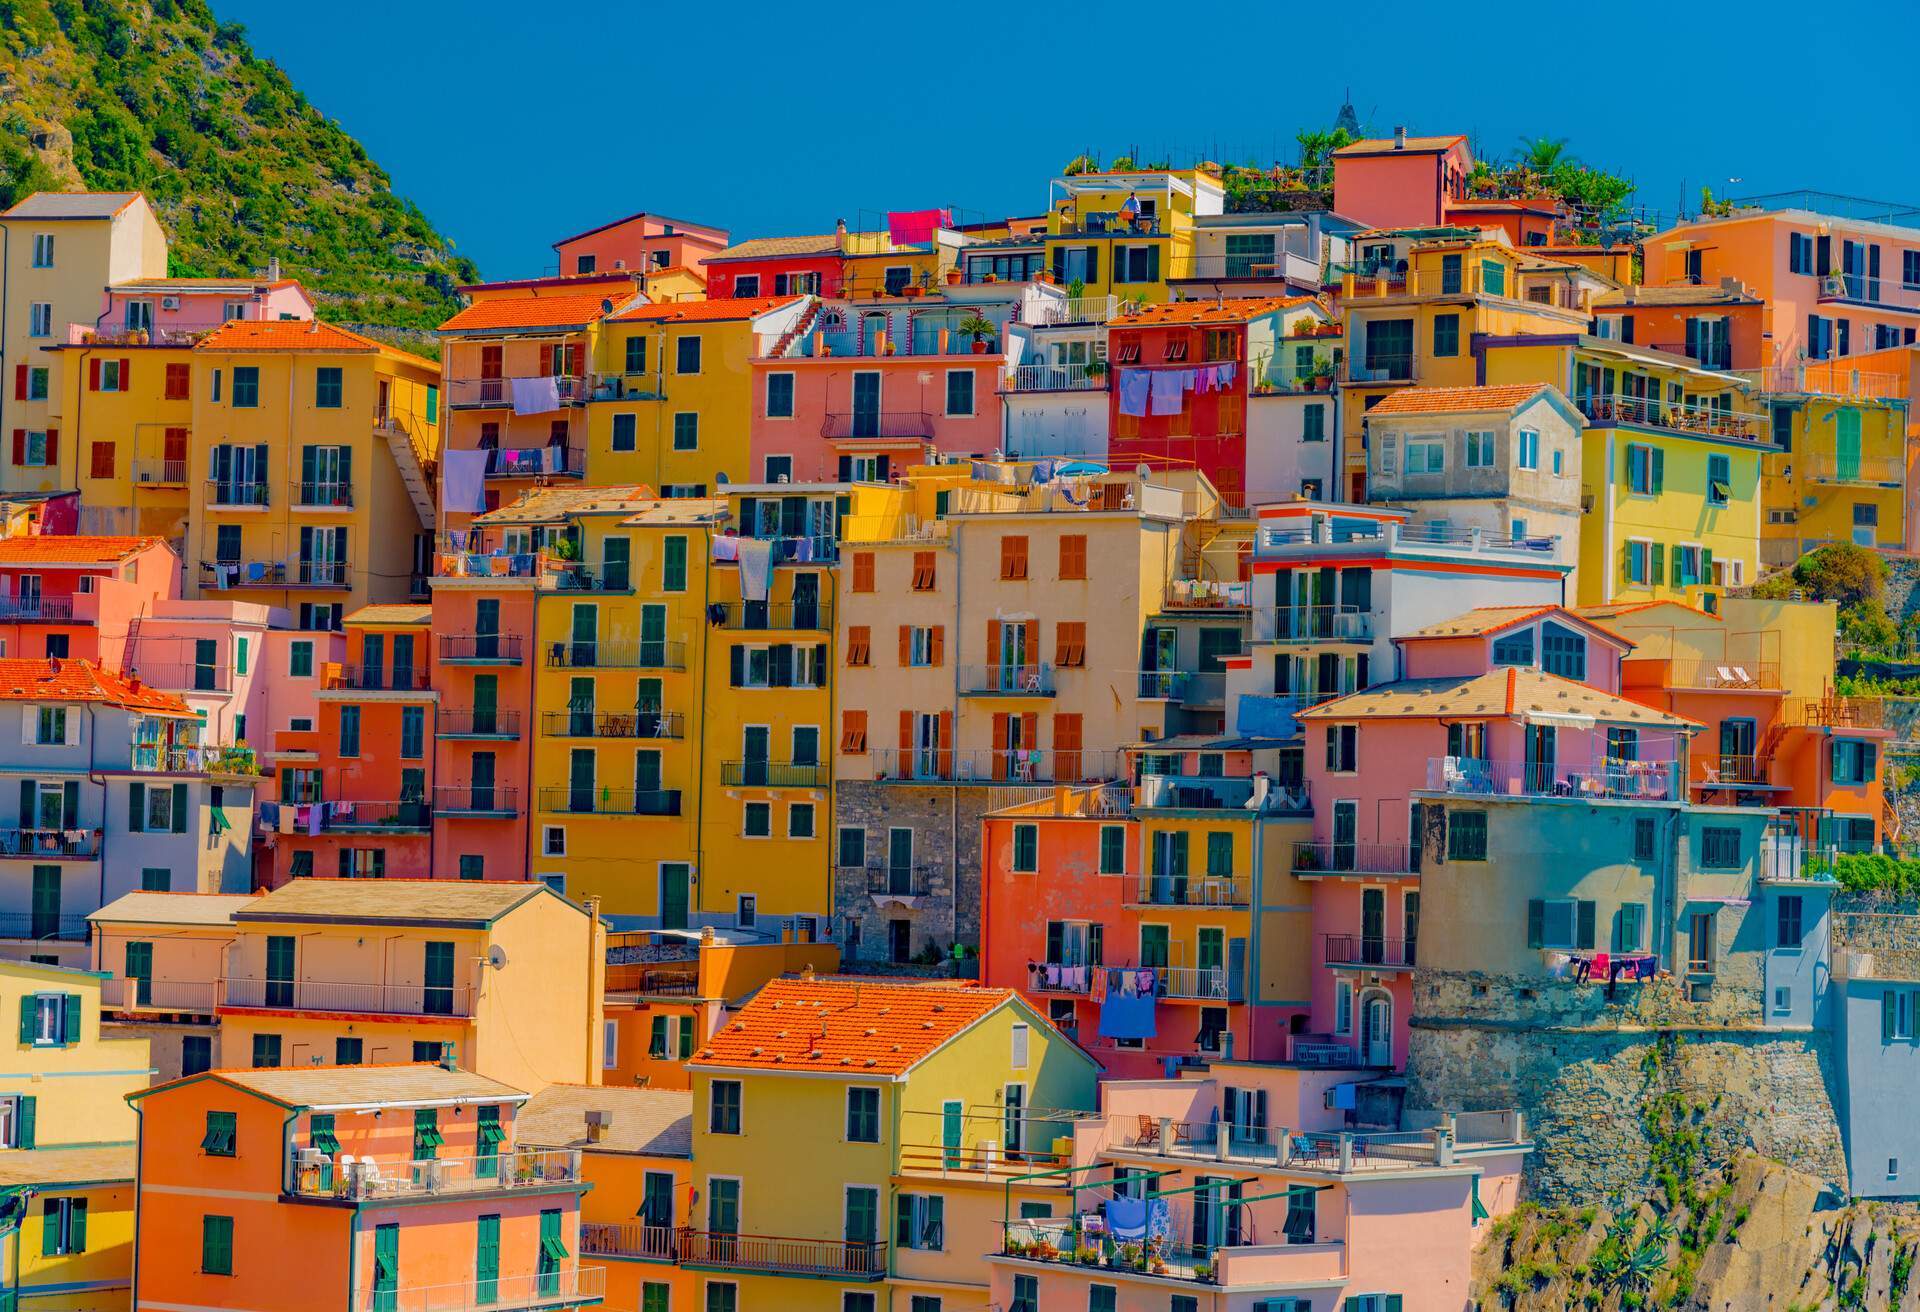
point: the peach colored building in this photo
(1401, 181)
(640, 244)
(214, 655)
(172, 310)
(79, 596)
(399, 1188)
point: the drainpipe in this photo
(705, 630)
(139, 1143)
(93, 776)
(953, 756)
(594, 969)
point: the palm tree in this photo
(1543, 154)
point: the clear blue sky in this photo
(513, 124)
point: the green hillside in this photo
(160, 96)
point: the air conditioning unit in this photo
(169, 302)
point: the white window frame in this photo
(1570, 907)
(609, 1045)
(1428, 448)
(920, 646)
(1527, 449)
(814, 826)
(40, 319)
(1480, 444)
(973, 398)
(553, 840)
(43, 250)
(1343, 1006)
(1639, 562)
(746, 809)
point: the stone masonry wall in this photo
(946, 841)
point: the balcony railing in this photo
(1191, 891)
(1382, 367)
(1053, 378)
(1162, 685)
(1322, 624)
(617, 655)
(1278, 265)
(228, 492)
(1210, 983)
(661, 1243)
(51, 844)
(1863, 470)
(380, 678)
(160, 473)
(320, 495)
(566, 1286)
(1735, 772)
(579, 576)
(883, 423)
(610, 801)
(255, 993)
(479, 649)
(1700, 420)
(1206, 594)
(181, 676)
(1835, 712)
(1110, 222)
(480, 801)
(275, 573)
(1188, 792)
(42, 928)
(984, 765)
(493, 393)
(888, 880)
(1034, 679)
(1366, 950)
(626, 724)
(461, 723)
(773, 774)
(535, 461)
(199, 997)
(1077, 309)
(1204, 688)
(1637, 781)
(767, 616)
(1828, 378)
(839, 1259)
(1355, 859)
(369, 1179)
(1741, 674)
(33, 610)
(402, 817)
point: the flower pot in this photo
(953, 277)
(979, 347)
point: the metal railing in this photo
(1381, 367)
(1643, 781)
(480, 648)
(1203, 982)
(610, 801)
(884, 423)
(462, 393)
(984, 765)
(198, 996)
(322, 495)
(773, 774)
(579, 576)
(1077, 309)
(626, 724)
(228, 492)
(629, 1239)
(1162, 685)
(1366, 950)
(18, 610)
(1275, 265)
(42, 928)
(643, 655)
(255, 993)
(165, 473)
(844, 1259)
(1187, 792)
(565, 1286)
(318, 574)
(1823, 468)
(380, 678)
(182, 676)
(51, 844)
(1110, 222)
(1322, 624)
(405, 816)
(1355, 858)
(1053, 378)
(898, 881)
(465, 723)
(481, 800)
(1192, 891)
(771, 616)
(1731, 673)
(1032, 679)
(534, 461)
(1736, 771)
(1827, 378)
(1648, 412)
(368, 1178)
(1204, 688)
(183, 758)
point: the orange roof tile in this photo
(81, 681)
(1506, 691)
(1386, 146)
(859, 1027)
(300, 335)
(1227, 311)
(54, 549)
(1483, 621)
(676, 268)
(569, 310)
(716, 311)
(1456, 400)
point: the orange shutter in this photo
(1029, 733)
(924, 573)
(102, 460)
(906, 737)
(863, 571)
(853, 731)
(1066, 746)
(906, 646)
(993, 642)
(938, 645)
(999, 735)
(944, 766)
(1073, 556)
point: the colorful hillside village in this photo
(1054, 763)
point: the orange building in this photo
(641, 243)
(1722, 326)
(355, 791)
(368, 1188)
(1400, 181)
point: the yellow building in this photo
(859, 1137)
(64, 1080)
(1670, 466)
(66, 1237)
(672, 393)
(60, 251)
(1126, 234)
(306, 475)
(1839, 474)
(636, 1148)
(129, 414)
(1416, 300)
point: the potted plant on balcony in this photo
(1096, 371)
(1321, 379)
(953, 277)
(1203, 1272)
(1077, 288)
(978, 328)
(1086, 1256)
(1044, 1250)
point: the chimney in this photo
(273, 269)
(1399, 137)
(840, 233)
(597, 1123)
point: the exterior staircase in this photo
(414, 472)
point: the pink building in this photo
(1401, 181)
(1263, 1186)
(172, 310)
(1512, 700)
(639, 243)
(214, 655)
(873, 386)
(79, 596)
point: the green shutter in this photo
(1583, 934)
(1656, 563)
(1886, 1016)
(1659, 470)
(486, 1260)
(50, 1227)
(686, 1037)
(70, 1021)
(25, 1130)
(136, 808)
(179, 808)
(657, 1040)
(1536, 922)
(28, 1018)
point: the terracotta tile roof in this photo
(1485, 620)
(567, 310)
(52, 549)
(1228, 311)
(716, 311)
(211, 909)
(97, 1164)
(681, 510)
(1683, 294)
(322, 1087)
(695, 274)
(1497, 694)
(393, 612)
(1456, 400)
(472, 903)
(649, 1122)
(552, 505)
(763, 248)
(613, 278)
(71, 205)
(1385, 146)
(206, 284)
(855, 1027)
(81, 681)
(301, 335)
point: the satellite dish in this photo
(1141, 472)
(496, 956)
(606, 307)
(721, 478)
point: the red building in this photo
(778, 266)
(1181, 374)
(80, 596)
